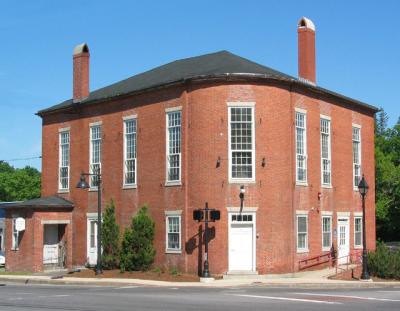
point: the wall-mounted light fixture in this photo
(263, 162)
(218, 162)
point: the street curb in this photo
(327, 284)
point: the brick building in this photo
(194, 131)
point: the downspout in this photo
(186, 185)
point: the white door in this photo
(92, 241)
(241, 243)
(343, 240)
(50, 244)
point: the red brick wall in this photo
(29, 256)
(204, 139)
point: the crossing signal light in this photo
(215, 215)
(198, 215)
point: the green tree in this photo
(18, 184)
(110, 238)
(137, 253)
(387, 172)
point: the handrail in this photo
(315, 261)
(354, 257)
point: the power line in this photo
(21, 159)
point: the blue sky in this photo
(358, 49)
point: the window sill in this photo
(242, 181)
(326, 186)
(60, 191)
(15, 249)
(358, 247)
(93, 189)
(173, 183)
(301, 184)
(302, 251)
(127, 187)
(326, 249)
(173, 251)
(355, 189)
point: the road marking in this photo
(389, 291)
(126, 287)
(289, 299)
(174, 288)
(54, 296)
(348, 296)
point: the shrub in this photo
(384, 263)
(110, 238)
(137, 253)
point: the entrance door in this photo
(241, 242)
(50, 244)
(343, 240)
(92, 241)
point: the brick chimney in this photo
(81, 72)
(306, 50)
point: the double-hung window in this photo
(95, 154)
(173, 228)
(301, 148)
(241, 142)
(174, 157)
(325, 152)
(356, 155)
(15, 235)
(64, 147)
(130, 163)
(358, 231)
(326, 232)
(302, 233)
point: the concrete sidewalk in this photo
(309, 279)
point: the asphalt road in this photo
(77, 298)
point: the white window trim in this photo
(60, 132)
(355, 187)
(300, 182)
(354, 237)
(169, 183)
(13, 242)
(124, 184)
(92, 125)
(324, 185)
(253, 142)
(326, 248)
(173, 214)
(301, 214)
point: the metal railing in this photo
(354, 258)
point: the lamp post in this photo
(83, 184)
(363, 188)
(241, 196)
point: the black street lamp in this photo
(363, 188)
(83, 184)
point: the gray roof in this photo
(45, 202)
(220, 65)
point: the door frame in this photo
(235, 211)
(90, 218)
(339, 217)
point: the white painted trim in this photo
(172, 183)
(357, 246)
(91, 215)
(253, 141)
(60, 132)
(328, 185)
(245, 209)
(326, 248)
(129, 117)
(301, 182)
(326, 213)
(55, 222)
(356, 125)
(343, 214)
(357, 214)
(173, 250)
(125, 185)
(302, 212)
(305, 249)
(97, 123)
(253, 223)
(173, 213)
(173, 109)
(64, 129)
(241, 104)
(301, 110)
(323, 116)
